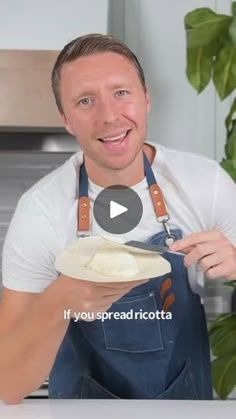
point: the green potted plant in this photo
(211, 55)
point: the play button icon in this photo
(118, 209)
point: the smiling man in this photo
(107, 111)
(188, 204)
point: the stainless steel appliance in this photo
(25, 157)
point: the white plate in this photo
(73, 260)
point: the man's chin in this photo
(121, 162)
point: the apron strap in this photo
(83, 211)
(155, 192)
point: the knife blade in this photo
(152, 247)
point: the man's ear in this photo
(148, 99)
(66, 123)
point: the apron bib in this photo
(139, 358)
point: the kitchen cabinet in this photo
(26, 99)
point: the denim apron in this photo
(139, 358)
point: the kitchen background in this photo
(32, 139)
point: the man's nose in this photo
(108, 111)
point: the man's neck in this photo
(129, 176)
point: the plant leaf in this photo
(230, 146)
(220, 328)
(233, 8)
(203, 15)
(213, 47)
(224, 74)
(229, 118)
(227, 344)
(230, 167)
(203, 26)
(232, 31)
(218, 321)
(217, 334)
(199, 68)
(224, 375)
(231, 283)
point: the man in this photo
(102, 96)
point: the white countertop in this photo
(118, 409)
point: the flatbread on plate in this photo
(101, 260)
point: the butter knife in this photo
(152, 247)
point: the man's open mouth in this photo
(115, 140)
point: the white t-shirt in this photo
(199, 195)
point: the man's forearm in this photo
(27, 353)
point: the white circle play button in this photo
(118, 209)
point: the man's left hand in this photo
(212, 251)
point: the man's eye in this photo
(85, 101)
(121, 92)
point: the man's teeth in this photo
(115, 138)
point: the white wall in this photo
(180, 118)
(49, 24)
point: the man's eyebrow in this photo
(119, 85)
(89, 92)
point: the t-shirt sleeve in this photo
(224, 205)
(29, 248)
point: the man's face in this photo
(105, 107)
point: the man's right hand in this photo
(91, 297)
